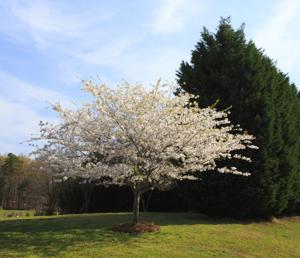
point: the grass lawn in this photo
(16, 213)
(181, 235)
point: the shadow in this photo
(52, 236)
(192, 218)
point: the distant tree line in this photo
(24, 186)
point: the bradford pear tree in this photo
(140, 137)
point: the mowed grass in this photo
(181, 235)
(16, 213)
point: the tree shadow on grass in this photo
(53, 236)
(192, 218)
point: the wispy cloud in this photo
(22, 106)
(85, 41)
(76, 38)
(18, 122)
(172, 15)
(106, 54)
(156, 63)
(48, 23)
(20, 91)
(278, 34)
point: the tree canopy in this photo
(225, 66)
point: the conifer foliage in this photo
(225, 66)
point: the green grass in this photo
(181, 235)
(16, 213)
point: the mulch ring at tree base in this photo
(140, 227)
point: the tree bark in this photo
(136, 205)
(146, 200)
(86, 193)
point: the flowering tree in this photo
(139, 137)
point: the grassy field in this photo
(181, 235)
(16, 213)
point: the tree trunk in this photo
(136, 205)
(19, 200)
(86, 204)
(87, 189)
(86, 197)
(145, 198)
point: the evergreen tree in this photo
(226, 67)
(10, 180)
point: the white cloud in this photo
(155, 64)
(57, 27)
(22, 92)
(48, 23)
(18, 122)
(76, 39)
(22, 106)
(84, 41)
(106, 54)
(278, 34)
(172, 15)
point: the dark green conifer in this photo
(226, 67)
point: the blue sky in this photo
(46, 47)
